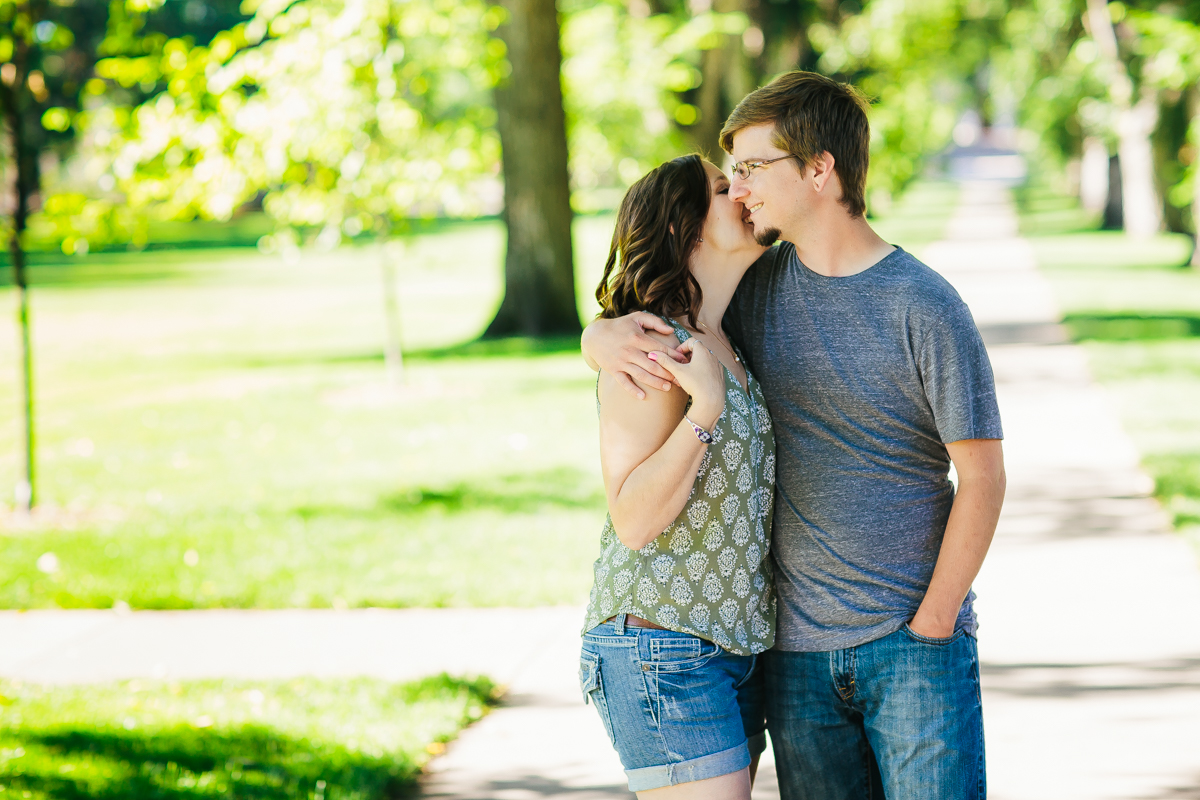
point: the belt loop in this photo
(619, 624)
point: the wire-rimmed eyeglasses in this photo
(743, 168)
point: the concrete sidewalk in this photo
(1089, 608)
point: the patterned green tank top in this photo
(708, 573)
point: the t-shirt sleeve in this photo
(957, 376)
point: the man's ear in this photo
(821, 170)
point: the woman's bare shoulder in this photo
(658, 405)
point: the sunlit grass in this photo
(1044, 211)
(303, 738)
(216, 429)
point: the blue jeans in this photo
(899, 717)
(677, 708)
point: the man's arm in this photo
(619, 347)
(969, 531)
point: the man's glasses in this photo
(743, 168)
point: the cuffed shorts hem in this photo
(696, 769)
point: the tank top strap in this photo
(681, 333)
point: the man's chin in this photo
(768, 237)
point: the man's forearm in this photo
(619, 347)
(968, 535)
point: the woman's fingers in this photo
(669, 365)
(675, 368)
(694, 348)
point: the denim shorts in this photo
(677, 708)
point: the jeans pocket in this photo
(589, 674)
(933, 640)
(679, 654)
(592, 686)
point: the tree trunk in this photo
(1135, 122)
(725, 79)
(1169, 139)
(1114, 209)
(393, 354)
(539, 273)
(1140, 199)
(24, 494)
(1093, 175)
(1195, 261)
(710, 101)
(25, 185)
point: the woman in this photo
(683, 599)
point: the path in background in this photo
(1089, 608)
(1089, 633)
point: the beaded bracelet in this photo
(701, 434)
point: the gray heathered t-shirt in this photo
(866, 377)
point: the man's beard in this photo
(768, 237)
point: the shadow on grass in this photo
(1129, 327)
(500, 348)
(564, 488)
(183, 762)
(178, 762)
(511, 347)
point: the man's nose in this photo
(737, 189)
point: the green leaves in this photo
(348, 116)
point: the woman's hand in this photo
(702, 376)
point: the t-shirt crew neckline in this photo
(813, 275)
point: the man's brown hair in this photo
(812, 114)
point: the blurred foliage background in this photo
(232, 213)
(299, 285)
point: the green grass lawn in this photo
(1136, 309)
(216, 429)
(302, 738)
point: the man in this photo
(877, 379)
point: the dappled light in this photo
(298, 290)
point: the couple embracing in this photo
(784, 549)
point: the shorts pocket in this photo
(934, 640)
(592, 687)
(679, 653)
(589, 674)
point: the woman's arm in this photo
(649, 454)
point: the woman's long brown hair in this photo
(658, 226)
